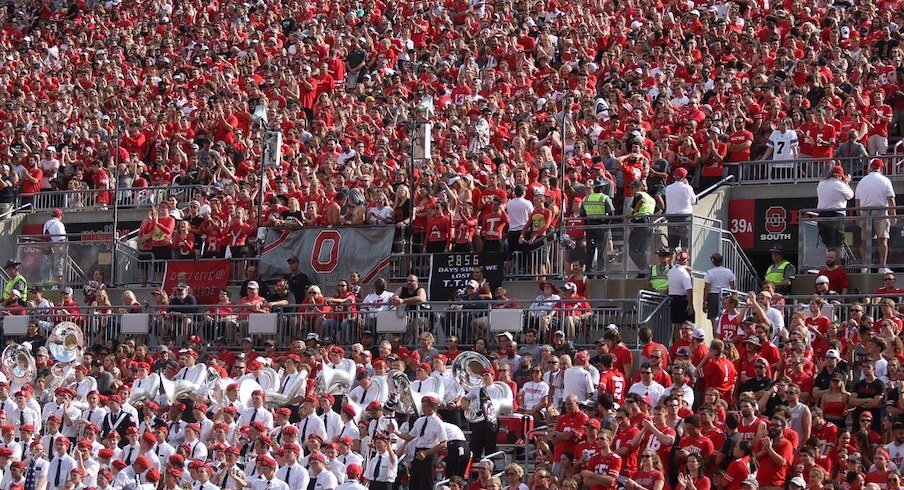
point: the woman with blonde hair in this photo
(834, 403)
(514, 476)
(494, 483)
(314, 309)
(649, 476)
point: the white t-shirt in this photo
(874, 190)
(534, 393)
(679, 281)
(654, 390)
(377, 302)
(679, 198)
(518, 210)
(896, 453)
(578, 382)
(833, 194)
(782, 144)
(719, 278)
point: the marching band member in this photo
(428, 437)
(310, 423)
(348, 427)
(331, 451)
(163, 449)
(331, 420)
(131, 450)
(63, 409)
(83, 384)
(337, 360)
(231, 476)
(294, 474)
(484, 431)
(196, 448)
(93, 414)
(203, 479)
(116, 420)
(9, 441)
(146, 443)
(450, 409)
(91, 433)
(111, 443)
(61, 465)
(346, 455)
(353, 474)
(36, 465)
(85, 459)
(200, 413)
(267, 479)
(256, 412)
(382, 468)
(174, 424)
(366, 391)
(321, 477)
(127, 407)
(23, 414)
(281, 423)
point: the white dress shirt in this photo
(428, 432)
(295, 475)
(274, 484)
(58, 473)
(312, 424)
(261, 415)
(332, 422)
(578, 383)
(387, 471)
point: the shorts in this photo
(713, 306)
(678, 309)
(881, 226)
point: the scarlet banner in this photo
(206, 278)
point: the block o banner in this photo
(327, 255)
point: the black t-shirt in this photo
(824, 377)
(276, 296)
(753, 385)
(864, 389)
(299, 284)
(355, 57)
(773, 403)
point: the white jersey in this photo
(783, 144)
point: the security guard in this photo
(595, 209)
(659, 280)
(17, 280)
(781, 272)
(642, 208)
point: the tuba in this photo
(331, 381)
(467, 367)
(18, 364)
(501, 402)
(66, 344)
(148, 392)
(246, 389)
(176, 390)
(399, 398)
(278, 396)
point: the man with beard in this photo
(775, 455)
(838, 278)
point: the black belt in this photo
(641, 219)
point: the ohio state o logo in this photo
(325, 253)
(776, 219)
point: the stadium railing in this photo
(76, 200)
(468, 321)
(851, 235)
(700, 236)
(803, 170)
(837, 305)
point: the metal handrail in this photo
(800, 170)
(15, 211)
(709, 190)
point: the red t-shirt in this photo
(663, 451)
(609, 465)
(621, 357)
(573, 423)
(28, 187)
(720, 374)
(697, 445)
(647, 479)
(748, 430)
(738, 471)
(613, 382)
(623, 440)
(770, 474)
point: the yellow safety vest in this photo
(776, 272)
(648, 206)
(659, 277)
(595, 205)
(10, 285)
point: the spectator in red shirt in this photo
(775, 455)
(603, 469)
(889, 288)
(569, 429)
(718, 371)
(31, 180)
(626, 442)
(694, 442)
(838, 278)
(623, 360)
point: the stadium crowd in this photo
(549, 105)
